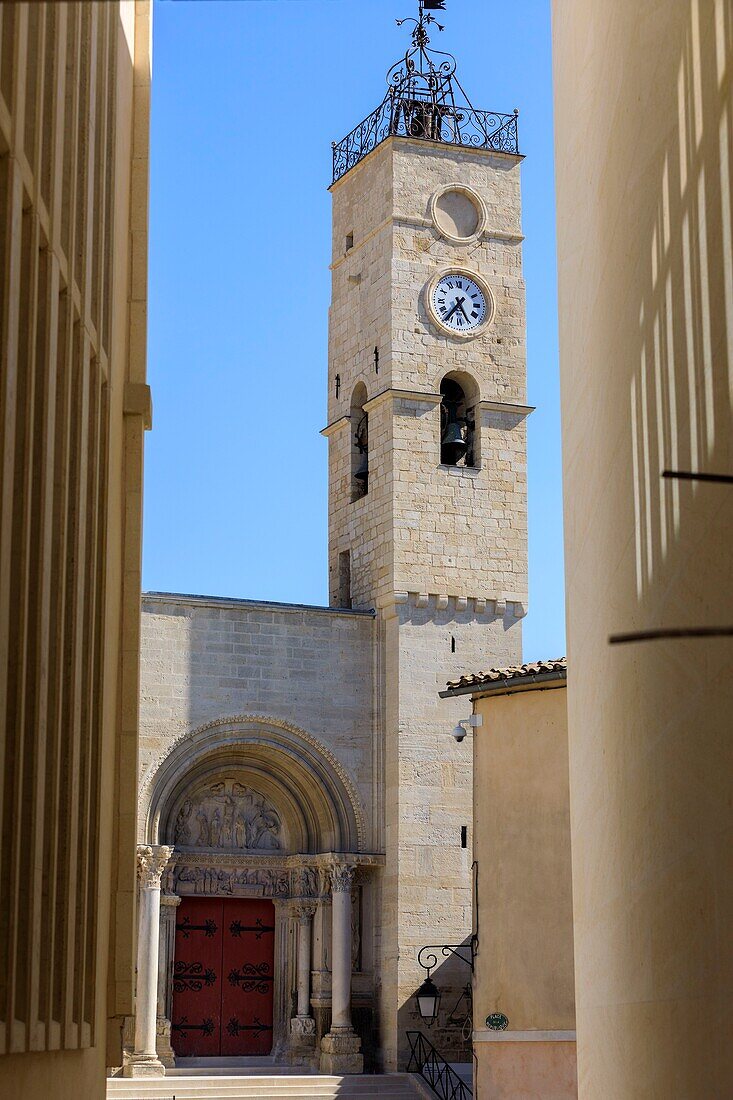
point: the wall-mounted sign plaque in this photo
(497, 1021)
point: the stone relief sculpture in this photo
(183, 832)
(220, 880)
(203, 829)
(231, 816)
(305, 883)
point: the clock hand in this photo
(458, 304)
(462, 309)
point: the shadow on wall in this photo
(680, 394)
(450, 1033)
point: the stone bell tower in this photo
(427, 474)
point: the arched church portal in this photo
(264, 824)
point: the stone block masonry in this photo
(207, 659)
(440, 551)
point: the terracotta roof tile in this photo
(514, 672)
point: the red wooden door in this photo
(197, 978)
(223, 977)
(248, 963)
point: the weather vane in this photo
(419, 35)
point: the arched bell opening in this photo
(359, 443)
(460, 422)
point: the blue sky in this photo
(247, 97)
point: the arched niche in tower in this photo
(359, 443)
(460, 421)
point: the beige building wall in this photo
(74, 89)
(440, 551)
(644, 109)
(524, 912)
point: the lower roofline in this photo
(235, 602)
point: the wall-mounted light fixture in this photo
(428, 995)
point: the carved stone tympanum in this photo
(228, 815)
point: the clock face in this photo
(458, 303)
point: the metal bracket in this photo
(427, 956)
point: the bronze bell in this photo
(453, 445)
(362, 472)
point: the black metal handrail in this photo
(429, 1064)
(420, 117)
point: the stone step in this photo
(191, 1085)
(239, 1071)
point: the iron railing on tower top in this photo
(420, 118)
(426, 100)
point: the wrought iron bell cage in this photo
(425, 100)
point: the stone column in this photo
(168, 905)
(340, 1049)
(303, 1026)
(151, 862)
(303, 1023)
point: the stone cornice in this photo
(336, 425)
(483, 1035)
(506, 407)
(396, 393)
(425, 145)
(204, 857)
(426, 396)
(233, 604)
(425, 223)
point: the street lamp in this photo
(428, 995)
(428, 1000)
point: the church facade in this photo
(304, 818)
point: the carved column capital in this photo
(151, 862)
(304, 911)
(342, 878)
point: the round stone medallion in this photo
(457, 213)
